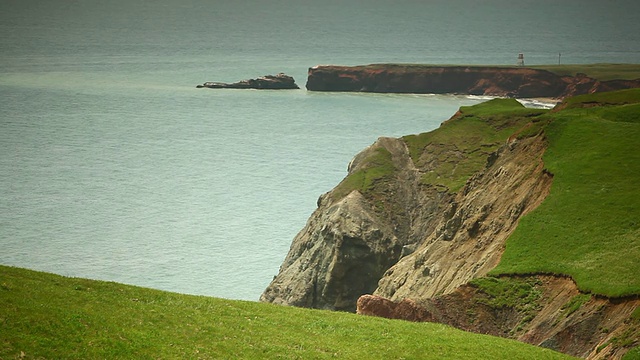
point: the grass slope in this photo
(589, 225)
(53, 317)
(461, 146)
(377, 168)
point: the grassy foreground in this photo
(589, 225)
(45, 316)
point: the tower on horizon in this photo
(520, 60)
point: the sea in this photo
(113, 166)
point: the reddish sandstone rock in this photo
(406, 309)
(587, 333)
(472, 80)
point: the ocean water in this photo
(113, 166)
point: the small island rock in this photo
(271, 82)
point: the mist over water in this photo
(114, 166)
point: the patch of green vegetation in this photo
(635, 316)
(633, 354)
(588, 225)
(49, 316)
(535, 127)
(519, 294)
(575, 303)
(602, 72)
(449, 155)
(374, 170)
(626, 339)
(622, 97)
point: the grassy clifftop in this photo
(602, 72)
(462, 145)
(53, 317)
(589, 225)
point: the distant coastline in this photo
(517, 82)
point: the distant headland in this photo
(508, 81)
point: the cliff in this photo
(542, 310)
(346, 246)
(421, 220)
(400, 209)
(473, 80)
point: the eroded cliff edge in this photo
(418, 215)
(517, 82)
(419, 219)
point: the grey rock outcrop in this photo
(339, 255)
(350, 241)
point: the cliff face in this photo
(339, 255)
(351, 240)
(545, 311)
(471, 232)
(419, 221)
(394, 226)
(472, 80)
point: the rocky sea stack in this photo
(268, 82)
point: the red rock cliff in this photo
(473, 80)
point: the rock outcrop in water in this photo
(268, 82)
(472, 80)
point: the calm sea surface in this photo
(113, 166)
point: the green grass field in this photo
(602, 72)
(45, 316)
(589, 225)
